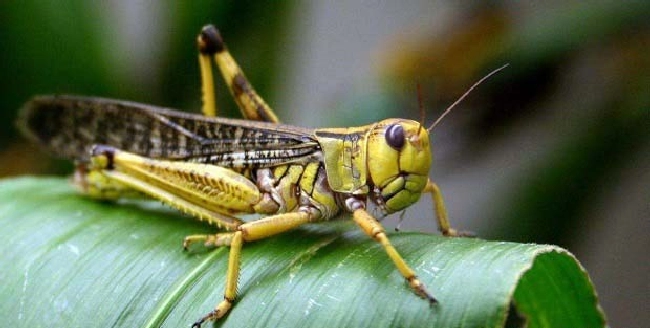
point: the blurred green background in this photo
(555, 149)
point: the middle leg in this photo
(249, 231)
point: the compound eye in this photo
(395, 136)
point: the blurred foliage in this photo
(546, 51)
(71, 47)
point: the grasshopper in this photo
(215, 169)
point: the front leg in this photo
(374, 229)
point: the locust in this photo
(218, 169)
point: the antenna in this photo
(421, 106)
(464, 95)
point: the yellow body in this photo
(215, 168)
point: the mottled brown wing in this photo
(69, 126)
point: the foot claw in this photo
(432, 300)
(419, 289)
(214, 314)
(200, 322)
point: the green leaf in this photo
(74, 262)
